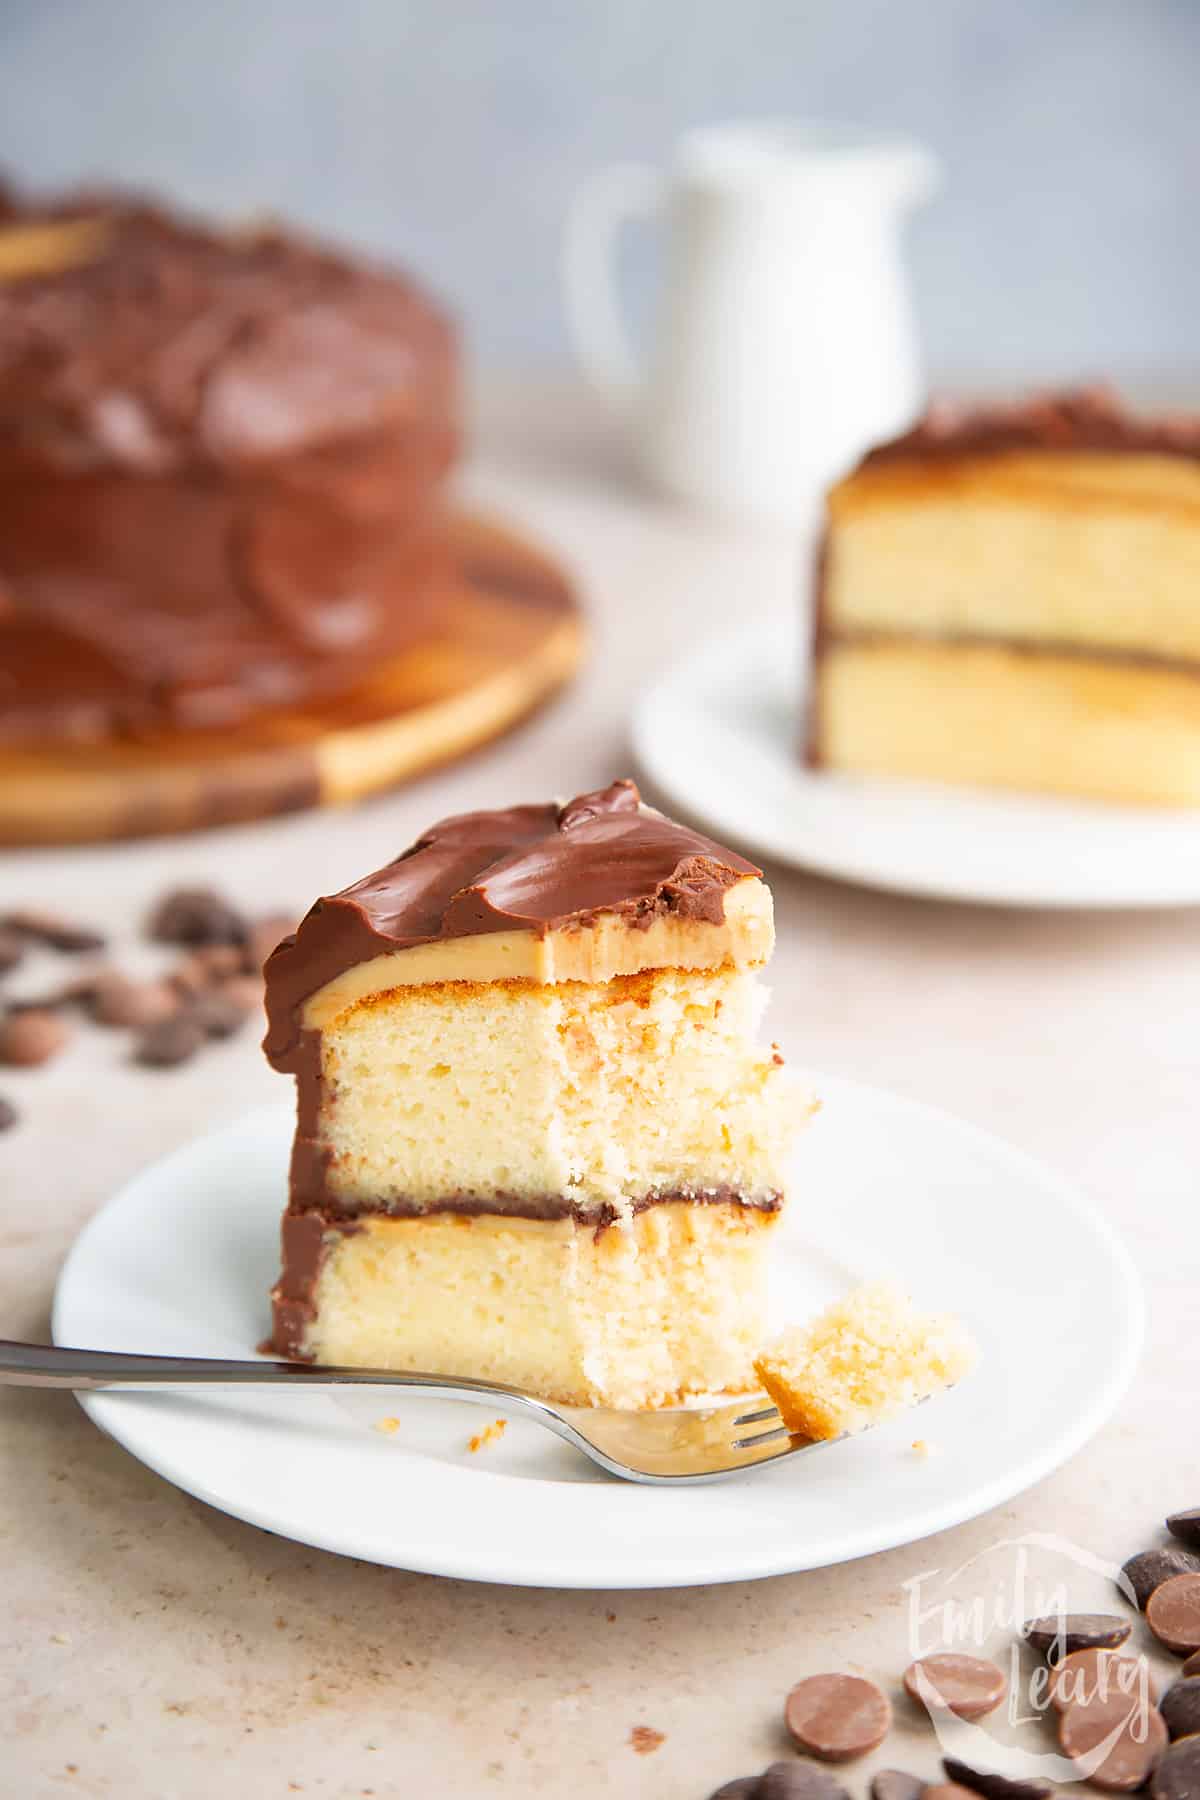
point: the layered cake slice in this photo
(1008, 597)
(536, 1140)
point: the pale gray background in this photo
(453, 132)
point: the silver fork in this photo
(666, 1448)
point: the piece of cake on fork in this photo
(536, 1140)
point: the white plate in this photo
(718, 737)
(181, 1260)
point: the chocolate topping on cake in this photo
(1069, 419)
(527, 868)
(219, 460)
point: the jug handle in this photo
(600, 209)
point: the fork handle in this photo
(55, 1366)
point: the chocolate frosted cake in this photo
(1007, 596)
(220, 455)
(536, 1141)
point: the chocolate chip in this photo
(196, 916)
(994, 1787)
(1186, 1526)
(967, 1686)
(1060, 1634)
(1145, 1571)
(745, 1787)
(169, 1042)
(798, 1781)
(217, 1013)
(1180, 1707)
(28, 1039)
(1177, 1776)
(896, 1784)
(1135, 1737)
(245, 992)
(1173, 1613)
(55, 933)
(1088, 1674)
(264, 936)
(12, 949)
(8, 1114)
(837, 1717)
(118, 1000)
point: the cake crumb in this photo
(645, 1740)
(488, 1435)
(388, 1426)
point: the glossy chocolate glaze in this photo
(526, 868)
(219, 461)
(1066, 419)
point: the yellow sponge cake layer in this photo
(647, 1315)
(595, 1093)
(999, 717)
(1088, 550)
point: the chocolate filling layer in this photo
(308, 1236)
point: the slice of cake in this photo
(865, 1358)
(1008, 597)
(536, 1141)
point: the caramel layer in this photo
(602, 951)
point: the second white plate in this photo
(181, 1261)
(718, 737)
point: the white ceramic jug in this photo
(784, 344)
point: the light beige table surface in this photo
(152, 1647)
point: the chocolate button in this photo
(896, 1784)
(798, 1781)
(1059, 1634)
(1180, 1707)
(1177, 1776)
(1186, 1526)
(1129, 1739)
(55, 933)
(948, 1790)
(1149, 1568)
(28, 1039)
(1090, 1675)
(1173, 1613)
(968, 1686)
(994, 1787)
(837, 1717)
(746, 1787)
(1192, 1665)
(169, 1042)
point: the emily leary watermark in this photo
(998, 1602)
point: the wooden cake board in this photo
(512, 633)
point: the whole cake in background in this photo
(536, 1141)
(1008, 596)
(220, 457)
